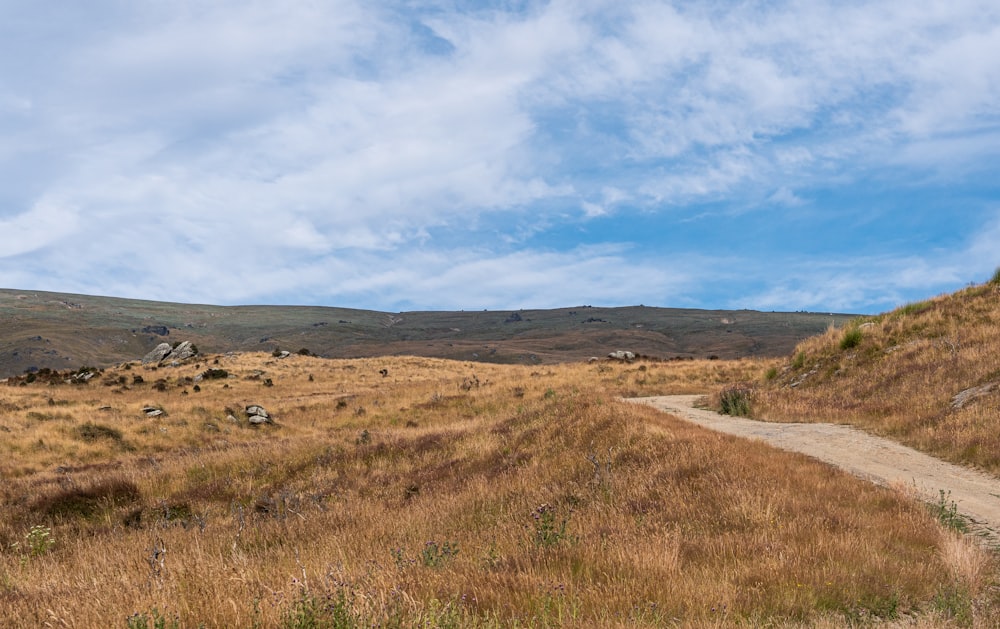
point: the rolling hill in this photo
(41, 329)
(926, 374)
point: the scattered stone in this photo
(593, 359)
(514, 318)
(622, 355)
(158, 330)
(974, 393)
(283, 354)
(152, 411)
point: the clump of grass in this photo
(799, 361)
(915, 308)
(851, 338)
(995, 279)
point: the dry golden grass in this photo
(901, 376)
(443, 494)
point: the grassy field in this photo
(926, 375)
(417, 492)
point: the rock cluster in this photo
(622, 355)
(256, 415)
(165, 352)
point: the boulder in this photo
(622, 355)
(165, 351)
(183, 351)
(157, 355)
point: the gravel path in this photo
(977, 495)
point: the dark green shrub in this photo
(214, 374)
(852, 338)
(736, 400)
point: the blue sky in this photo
(827, 156)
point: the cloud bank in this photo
(404, 155)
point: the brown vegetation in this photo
(420, 492)
(926, 375)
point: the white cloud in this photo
(419, 147)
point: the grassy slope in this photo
(566, 507)
(39, 329)
(898, 375)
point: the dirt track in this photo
(879, 460)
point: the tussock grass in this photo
(926, 374)
(419, 492)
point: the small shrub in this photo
(434, 555)
(547, 532)
(946, 511)
(39, 540)
(214, 374)
(771, 373)
(736, 400)
(852, 338)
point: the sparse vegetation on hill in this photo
(926, 374)
(418, 492)
(56, 331)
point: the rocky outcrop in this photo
(165, 352)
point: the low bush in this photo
(736, 400)
(852, 338)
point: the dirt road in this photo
(879, 460)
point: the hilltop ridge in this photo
(58, 331)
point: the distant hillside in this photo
(926, 374)
(41, 329)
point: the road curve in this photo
(977, 495)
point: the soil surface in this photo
(976, 495)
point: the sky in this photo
(838, 156)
